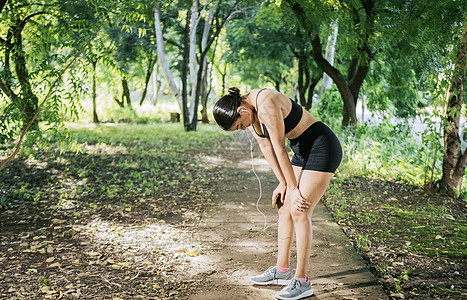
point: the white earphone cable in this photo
(260, 187)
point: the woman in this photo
(271, 117)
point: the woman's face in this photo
(242, 122)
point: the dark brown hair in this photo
(225, 110)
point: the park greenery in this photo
(400, 59)
(87, 89)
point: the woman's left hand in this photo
(278, 196)
(298, 201)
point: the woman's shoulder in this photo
(268, 95)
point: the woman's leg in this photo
(312, 186)
(285, 230)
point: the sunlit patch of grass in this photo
(171, 136)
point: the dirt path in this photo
(240, 248)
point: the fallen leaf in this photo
(54, 265)
(50, 259)
(397, 295)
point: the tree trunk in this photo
(162, 58)
(204, 99)
(204, 66)
(277, 85)
(220, 22)
(126, 93)
(302, 85)
(156, 86)
(311, 89)
(146, 82)
(454, 162)
(330, 50)
(348, 89)
(186, 44)
(223, 74)
(95, 118)
(28, 102)
(350, 112)
(313, 82)
(193, 59)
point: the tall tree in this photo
(163, 60)
(362, 15)
(39, 43)
(32, 37)
(265, 50)
(454, 161)
(190, 54)
(223, 12)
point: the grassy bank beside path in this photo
(414, 243)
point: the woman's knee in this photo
(301, 216)
(284, 212)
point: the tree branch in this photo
(21, 24)
(171, 42)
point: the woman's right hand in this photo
(278, 196)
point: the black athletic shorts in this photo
(317, 149)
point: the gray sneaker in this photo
(296, 289)
(273, 276)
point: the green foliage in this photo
(385, 151)
(33, 61)
(432, 146)
(396, 88)
(329, 107)
(262, 47)
(47, 37)
(363, 242)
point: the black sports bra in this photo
(292, 119)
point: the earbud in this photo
(244, 110)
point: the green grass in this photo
(170, 136)
(133, 161)
(423, 227)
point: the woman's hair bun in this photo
(234, 91)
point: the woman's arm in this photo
(268, 153)
(272, 116)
